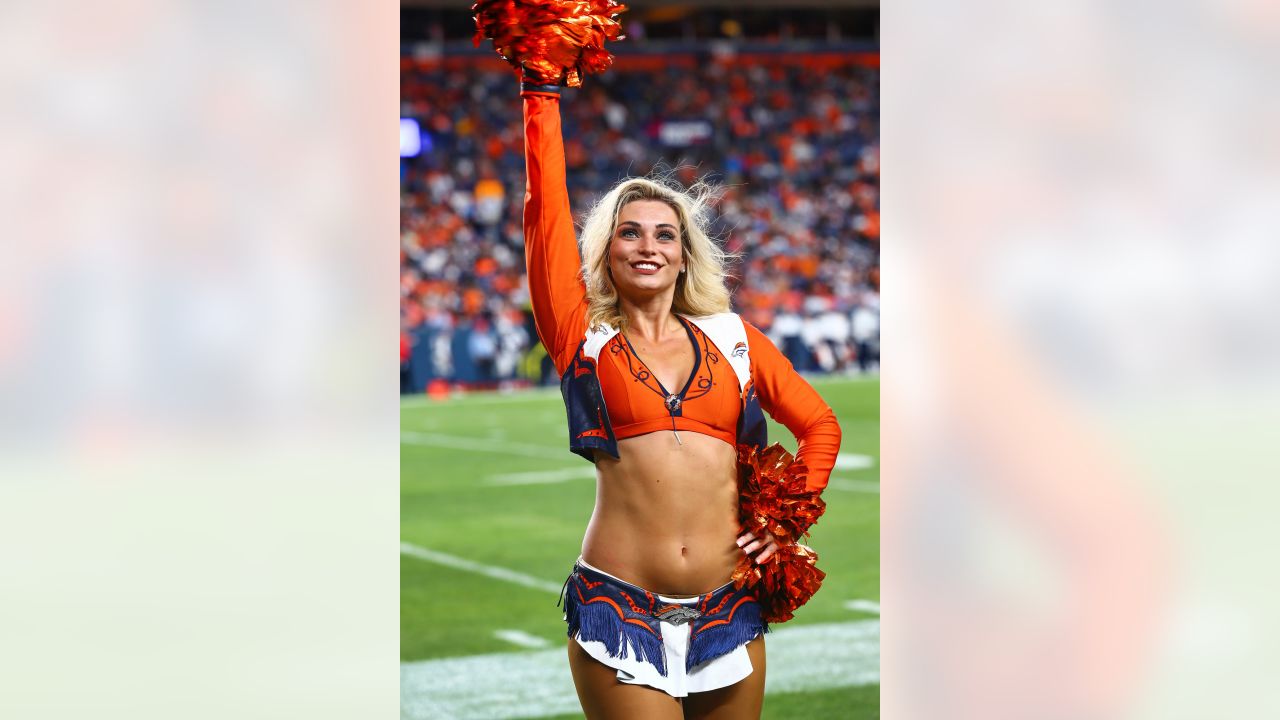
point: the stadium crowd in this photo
(794, 145)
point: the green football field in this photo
(492, 511)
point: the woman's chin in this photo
(644, 290)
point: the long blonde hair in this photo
(700, 290)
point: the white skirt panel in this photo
(711, 675)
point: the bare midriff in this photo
(666, 513)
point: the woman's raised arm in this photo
(550, 248)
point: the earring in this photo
(683, 269)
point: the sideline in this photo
(484, 397)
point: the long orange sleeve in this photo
(550, 247)
(792, 401)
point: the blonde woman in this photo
(661, 384)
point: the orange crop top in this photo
(710, 402)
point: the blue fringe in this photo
(600, 622)
(711, 643)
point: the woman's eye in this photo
(666, 236)
(629, 233)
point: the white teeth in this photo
(645, 266)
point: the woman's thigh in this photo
(604, 698)
(743, 699)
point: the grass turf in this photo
(537, 529)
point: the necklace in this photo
(673, 406)
(672, 401)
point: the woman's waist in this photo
(667, 532)
(595, 574)
(666, 513)
(667, 508)
(670, 574)
(664, 556)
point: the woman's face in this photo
(646, 254)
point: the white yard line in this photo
(862, 486)
(492, 571)
(543, 477)
(852, 461)
(487, 445)
(502, 686)
(522, 638)
(867, 606)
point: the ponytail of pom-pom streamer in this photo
(773, 497)
(553, 42)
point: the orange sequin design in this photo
(553, 41)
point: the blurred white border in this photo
(1080, 346)
(198, 461)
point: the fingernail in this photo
(740, 541)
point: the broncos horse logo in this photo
(740, 349)
(676, 614)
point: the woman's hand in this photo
(767, 545)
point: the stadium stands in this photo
(793, 138)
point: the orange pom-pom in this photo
(773, 496)
(553, 41)
(783, 583)
(773, 493)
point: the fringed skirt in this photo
(677, 645)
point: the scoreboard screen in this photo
(410, 138)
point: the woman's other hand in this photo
(767, 545)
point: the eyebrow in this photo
(633, 222)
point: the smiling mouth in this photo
(645, 266)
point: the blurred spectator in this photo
(406, 354)
(865, 322)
